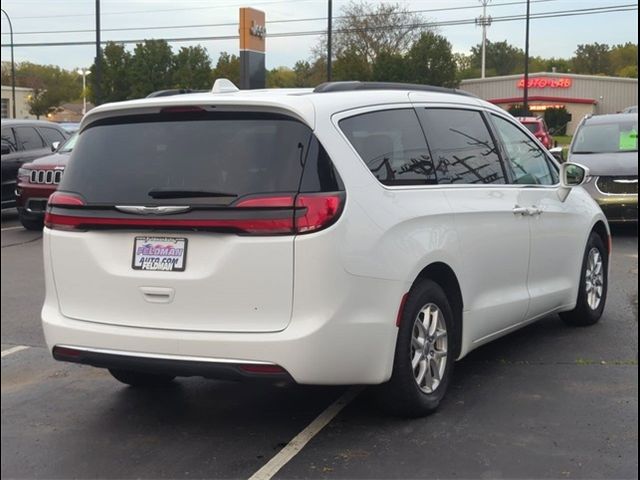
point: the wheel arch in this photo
(442, 274)
(600, 229)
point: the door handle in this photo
(535, 211)
(518, 210)
(527, 211)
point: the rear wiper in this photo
(186, 193)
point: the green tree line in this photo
(372, 42)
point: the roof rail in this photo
(357, 85)
(173, 91)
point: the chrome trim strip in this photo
(167, 357)
(160, 210)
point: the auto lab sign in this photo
(544, 82)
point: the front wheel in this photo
(594, 281)
(424, 357)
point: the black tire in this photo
(35, 224)
(583, 315)
(140, 379)
(401, 395)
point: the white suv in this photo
(353, 234)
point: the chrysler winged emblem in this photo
(159, 210)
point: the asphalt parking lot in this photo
(548, 401)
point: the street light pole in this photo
(13, 68)
(329, 38)
(525, 102)
(84, 73)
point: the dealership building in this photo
(579, 94)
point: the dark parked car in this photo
(37, 180)
(608, 145)
(22, 142)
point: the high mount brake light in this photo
(304, 213)
(182, 109)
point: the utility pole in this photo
(13, 68)
(484, 22)
(525, 97)
(329, 35)
(98, 62)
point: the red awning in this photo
(541, 98)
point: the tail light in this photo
(318, 211)
(261, 215)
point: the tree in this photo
(624, 60)
(430, 61)
(390, 67)
(592, 58)
(51, 86)
(115, 76)
(228, 67)
(310, 74)
(281, 77)
(192, 68)
(501, 58)
(557, 120)
(151, 67)
(366, 30)
(351, 65)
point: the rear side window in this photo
(8, 139)
(392, 145)
(51, 135)
(28, 138)
(120, 161)
(462, 147)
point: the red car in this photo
(36, 181)
(538, 127)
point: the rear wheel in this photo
(31, 223)
(594, 281)
(423, 362)
(140, 379)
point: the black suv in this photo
(24, 141)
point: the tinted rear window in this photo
(392, 145)
(532, 127)
(120, 161)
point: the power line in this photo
(292, 20)
(468, 21)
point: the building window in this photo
(5, 108)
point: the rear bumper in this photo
(175, 366)
(353, 345)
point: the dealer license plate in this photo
(165, 254)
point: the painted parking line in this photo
(16, 349)
(299, 441)
(19, 227)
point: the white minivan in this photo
(357, 233)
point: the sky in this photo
(557, 37)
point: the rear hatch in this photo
(185, 219)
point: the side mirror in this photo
(55, 146)
(557, 154)
(571, 175)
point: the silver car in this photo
(608, 145)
